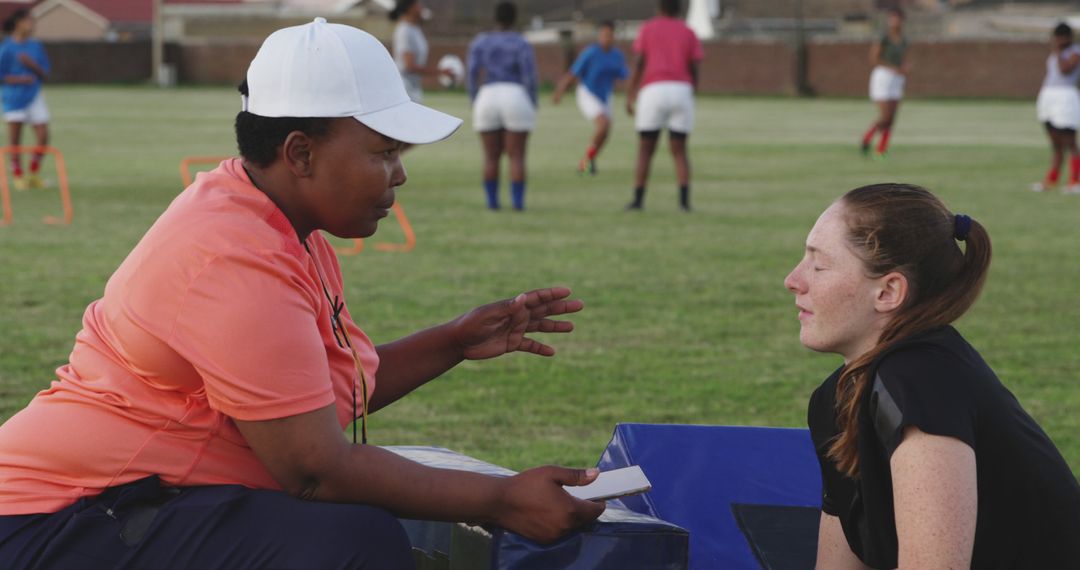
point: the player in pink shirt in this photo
(666, 69)
(198, 423)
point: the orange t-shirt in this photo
(218, 313)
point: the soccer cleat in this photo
(35, 181)
(879, 156)
(1041, 186)
(865, 148)
(20, 183)
(1071, 189)
(633, 207)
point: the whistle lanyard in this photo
(341, 335)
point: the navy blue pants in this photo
(145, 525)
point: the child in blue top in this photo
(597, 68)
(23, 66)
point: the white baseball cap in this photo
(333, 70)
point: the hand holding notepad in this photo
(613, 484)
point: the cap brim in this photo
(411, 122)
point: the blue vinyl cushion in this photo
(699, 472)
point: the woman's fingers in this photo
(549, 326)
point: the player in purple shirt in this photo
(597, 69)
(502, 85)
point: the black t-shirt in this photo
(1028, 499)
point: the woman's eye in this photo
(816, 268)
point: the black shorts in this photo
(144, 525)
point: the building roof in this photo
(118, 10)
(113, 11)
(8, 7)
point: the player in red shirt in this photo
(666, 69)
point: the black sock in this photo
(639, 196)
(684, 195)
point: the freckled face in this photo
(355, 172)
(834, 295)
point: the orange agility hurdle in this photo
(406, 228)
(185, 166)
(62, 182)
(358, 244)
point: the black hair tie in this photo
(961, 227)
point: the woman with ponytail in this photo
(927, 460)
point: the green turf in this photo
(686, 320)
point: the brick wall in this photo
(939, 69)
(99, 62)
(971, 68)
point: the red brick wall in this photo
(956, 68)
(938, 69)
(212, 62)
(970, 68)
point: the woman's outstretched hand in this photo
(496, 329)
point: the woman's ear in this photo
(296, 151)
(892, 292)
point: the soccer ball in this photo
(452, 64)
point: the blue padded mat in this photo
(699, 472)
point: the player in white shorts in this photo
(23, 66)
(889, 58)
(502, 84)
(668, 53)
(1058, 108)
(597, 69)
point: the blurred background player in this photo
(502, 84)
(23, 66)
(411, 48)
(597, 68)
(1058, 108)
(887, 81)
(667, 54)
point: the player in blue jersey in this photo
(597, 69)
(23, 66)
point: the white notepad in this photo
(613, 484)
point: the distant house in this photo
(114, 20)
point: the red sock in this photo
(35, 163)
(1052, 175)
(884, 142)
(590, 153)
(869, 136)
(16, 165)
(1074, 169)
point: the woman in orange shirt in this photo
(199, 421)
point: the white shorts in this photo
(503, 106)
(886, 85)
(1059, 106)
(590, 105)
(36, 113)
(665, 105)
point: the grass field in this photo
(686, 321)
